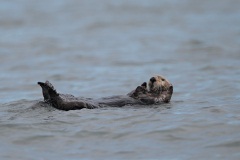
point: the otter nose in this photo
(153, 79)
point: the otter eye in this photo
(163, 79)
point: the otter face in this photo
(158, 84)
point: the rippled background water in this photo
(97, 48)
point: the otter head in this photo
(160, 87)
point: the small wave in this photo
(23, 109)
(227, 144)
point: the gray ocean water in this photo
(94, 48)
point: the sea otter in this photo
(158, 90)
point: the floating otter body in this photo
(158, 90)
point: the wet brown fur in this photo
(158, 90)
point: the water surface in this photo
(101, 48)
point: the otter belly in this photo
(117, 101)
